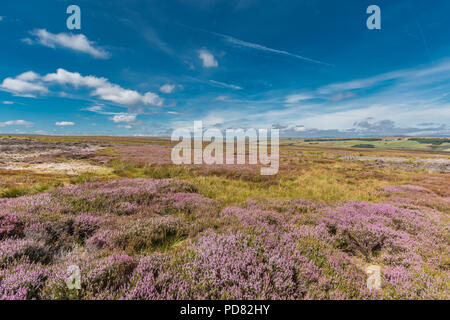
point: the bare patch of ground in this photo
(49, 157)
(72, 167)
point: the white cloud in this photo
(104, 89)
(127, 97)
(76, 79)
(259, 47)
(24, 85)
(8, 102)
(16, 123)
(64, 123)
(410, 76)
(225, 85)
(124, 117)
(167, 88)
(294, 98)
(76, 42)
(221, 98)
(173, 112)
(100, 110)
(28, 76)
(30, 84)
(124, 126)
(267, 49)
(207, 58)
(96, 109)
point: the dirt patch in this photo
(70, 167)
(46, 157)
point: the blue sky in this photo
(308, 68)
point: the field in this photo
(140, 227)
(425, 144)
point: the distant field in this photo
(434, 144)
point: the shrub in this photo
(22, 282)
(142, 235)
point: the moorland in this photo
(140, 227)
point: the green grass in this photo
(15, 192)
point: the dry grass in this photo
(308, 172)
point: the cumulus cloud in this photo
(30, 84)
(117, 94)
(16, 123)
(74, 78)
(167, 88)
(24, 85)
(28, 76)
(124, 117)
(75, 42)
(207, 58)
(64, 123)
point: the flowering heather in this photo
(160, 239)
(24, 281)
(405, 188)
(141, 235)
(10, 224)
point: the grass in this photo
(422, 144)
(313, 173)
(157, 225)
(315, 176)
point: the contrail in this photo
(263, 48)
(258, 46)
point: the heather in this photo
(143, 228)
(161, 239)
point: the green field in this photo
(379, 143)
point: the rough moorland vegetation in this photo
(144, 229)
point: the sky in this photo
(310, 68)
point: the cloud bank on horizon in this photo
(309, 69)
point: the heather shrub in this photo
(237, 266)
(157, 277)
(406, 283)
(254, 220)
(38, 232)
(159, 239)
(85, 225)
(109, 277)
(142, 235)
(24, 281)
(13, 251)
(367, 229)
(57, 236)
(11, 225)
(177, 186)
(101, 239)
(341, 278)
(229, 266)
(192, 203)
(117, 197)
